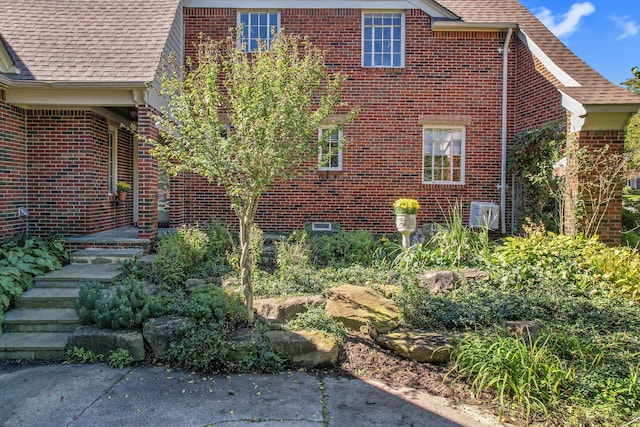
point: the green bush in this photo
(177, 252)
(126, 305)
(343, 248)
(22, 259)
(201, 346)
(213, 303)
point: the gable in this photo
(7, 66)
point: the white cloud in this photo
(567, 23)
(629, 28)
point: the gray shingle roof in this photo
(86, 40)
(594, 89)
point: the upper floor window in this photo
(383, 39)
(330, 150)
(443, 150)
(257, 27)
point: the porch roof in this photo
(86, 40)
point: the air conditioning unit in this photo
(484, 215)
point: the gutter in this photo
(503, 167)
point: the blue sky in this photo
(604, 33)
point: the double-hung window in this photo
(257, 27)
(443, 154)
(330, 150)
(383, 39)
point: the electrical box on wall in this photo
(484, 215)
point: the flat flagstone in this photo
(14, 341)
(41, 315)
(79, 273)
(48, 298)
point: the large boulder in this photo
(309, 349)
(418, 345)
(161, 332)
(104, 341)
(356, 306)
(280, 310)
(242, 343)
(436, 281)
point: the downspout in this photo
(503, 167)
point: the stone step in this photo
(33, 345)
(48, 298)
(40, 320)
(74, 275)
(96, 256)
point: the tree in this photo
(632, 138)
(275, 99)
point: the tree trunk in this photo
(245, 266)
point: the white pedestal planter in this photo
(406, 224)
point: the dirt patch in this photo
(360, 357)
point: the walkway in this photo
(96, 395)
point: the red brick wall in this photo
(68, 172)
(445, 74)
(147, 176)
(13, 168)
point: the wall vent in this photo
(321, 226)
(484, 215)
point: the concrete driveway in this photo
(96, 395)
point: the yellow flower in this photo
(406, 206)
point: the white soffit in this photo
(428, 6)
(553, 68)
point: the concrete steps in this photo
(44, 318)
(33, 345)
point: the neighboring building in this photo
(441, 88)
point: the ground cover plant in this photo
(582, 367)
(23, 258)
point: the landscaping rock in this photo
(354, 306)
(103, 341)
(242, 343)
(523, 328)
(160, 332)
(421, 346)
(436, 281)
(309, 349)
(471, 274)
(280, 310)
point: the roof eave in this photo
(597, 116)
(76, 84)
(446, 25)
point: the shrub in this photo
(126, 305)
(201, 346)
(177, 252)
(343, 248)
(213, 303)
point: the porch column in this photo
(609, 228)
(147, 177)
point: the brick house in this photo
(441, 87)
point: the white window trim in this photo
(402, 35)
(463, 154)
(329, 168)
(238, 23)
(112, 140)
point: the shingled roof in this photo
(86, 40)
(592, 89)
